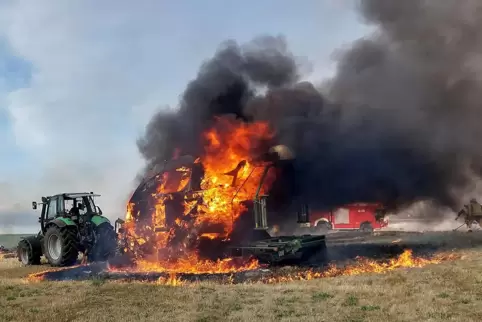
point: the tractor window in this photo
(82, 211)
(69, 204)
(90, 205)
(52, 210)
(60, 206)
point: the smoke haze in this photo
(398, 123)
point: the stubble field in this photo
(449, 291)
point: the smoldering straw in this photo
(399, 123)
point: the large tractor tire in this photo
(61, 246)
(105, 245)
(29, 251)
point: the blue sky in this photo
(80, 79)
(14, 73)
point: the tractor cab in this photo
(71, 206)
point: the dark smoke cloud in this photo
(224, 85)
(399, 123)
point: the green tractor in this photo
(69, 223)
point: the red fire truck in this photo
(357, 216)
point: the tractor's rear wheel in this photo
(61, 246)
(29, 251)
(105, 245)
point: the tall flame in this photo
(225, 150)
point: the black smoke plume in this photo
(400, 121)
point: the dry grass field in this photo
(450, 291)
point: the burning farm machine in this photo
(66, 232)
(183, 209)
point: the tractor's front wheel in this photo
(61, 246)
(29, 251)
(105, 245)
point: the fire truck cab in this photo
(358, 216)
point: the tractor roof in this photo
(77, 194)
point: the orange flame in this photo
(225, 151)
(40, 276)
(172, 280)
(192, 264)
(364, 266)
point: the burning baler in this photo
(175, 210)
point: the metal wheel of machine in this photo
(27, 253)
(105, 245)
(366, 227)
(61, 246)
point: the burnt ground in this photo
(342, 248)
(346, 246)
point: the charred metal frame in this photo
(260, 214)
(276, 250)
